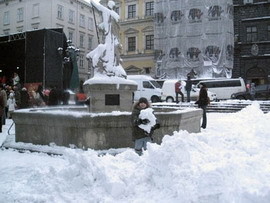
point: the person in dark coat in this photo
(2, 110)
(188, 87)
(139, 135)
(203, 102)
(53, 97)
(25, 98)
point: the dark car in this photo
(262, 93)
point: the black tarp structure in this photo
(37, 56)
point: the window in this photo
(131, 43)
(81, 60)
(147, 84)
(35, 26)
(149, 42)
(90, 42)
(117, 10)
(35, 11)
(147, 70)
(82, 20)
(268, 32)
(149, 8)
(19, 29)
(70, 35)
(20, 14)
(6, 32)
(90, 24)
(60, 10)
(71, 15)
(228, 83)
(6, 18)
(252, 34)
(132, 11)
(81, 40)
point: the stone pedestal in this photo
(110, 97)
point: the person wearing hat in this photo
(139, 135)
(203, 102)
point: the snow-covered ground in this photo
(229, 161)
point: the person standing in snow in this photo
(4, 94)
(139, 135)
(203, 102)
(188, 87)
(2, 109)
(11, 103)
(16, 79)
(252, 91)
(178, 87)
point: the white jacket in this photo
(11, 103)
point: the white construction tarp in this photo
(194, 35)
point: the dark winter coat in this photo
(137, 132)
(203, 98)
(53, 97)
(2, 106)
(188, 85)
(24, 99)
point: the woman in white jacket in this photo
(11, 103)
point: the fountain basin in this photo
(68, 126)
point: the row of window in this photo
(149, 43)
(132, 10)
(60, 15)
(252, 33)
(71, 17)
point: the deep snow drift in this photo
(227, 162)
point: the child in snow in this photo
(11, 103)
(143, 124)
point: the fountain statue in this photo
(108, 89)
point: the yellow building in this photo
(136, 35)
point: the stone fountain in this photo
(106, 123)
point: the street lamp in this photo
(70, 56)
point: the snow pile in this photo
(227, 162)
(147, 114)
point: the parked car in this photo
(262, 93)
(224, 88)
(147, 87)
(168, 92)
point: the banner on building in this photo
(194, 36)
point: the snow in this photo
(147, 114)
(229, 161)
(104, 79)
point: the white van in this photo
(224, 88)
(147, 87)
(168, 92)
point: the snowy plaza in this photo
(229, 161)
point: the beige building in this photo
(136, 35)
(74, 16)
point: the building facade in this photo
(75, 17)
(136, 35)
(194, 36)
(252, 40)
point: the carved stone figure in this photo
(106, 57)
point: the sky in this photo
(229, 161)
